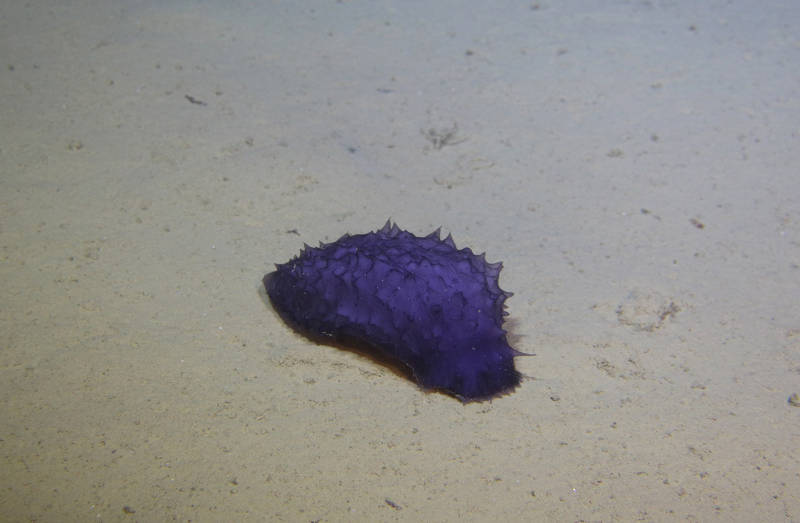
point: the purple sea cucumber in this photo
(435, 308)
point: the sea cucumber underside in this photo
(421, 301)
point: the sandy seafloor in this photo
(634, 164)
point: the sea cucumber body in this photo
(435, 308)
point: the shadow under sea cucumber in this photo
(421, 301)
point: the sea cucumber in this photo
(421, 301)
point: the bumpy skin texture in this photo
(435, 308)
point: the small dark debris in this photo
(293, 231)
(393, 504)
(648, 212)
(128, 510)
(194, 100)
(794, 400)
(443, 136)
(697, 223)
